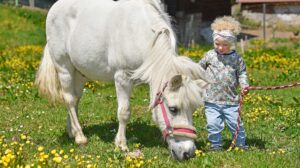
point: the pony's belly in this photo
(96, 71)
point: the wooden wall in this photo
(210, 9)
(190, 14)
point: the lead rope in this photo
(233, 142)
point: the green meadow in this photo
(33, 132)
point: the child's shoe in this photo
(215, 148)
(243, 147)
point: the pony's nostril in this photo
(173, 153)
(186, 155)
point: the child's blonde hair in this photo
(226, 23)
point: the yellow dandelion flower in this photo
(57, 159)
(23, 137)
(137, 145)
(40, 148)
(198, 152)
(67, 166)
(13, 143)
(128, 159)
(53, 152)
(7, 151)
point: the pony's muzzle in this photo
(182, 148)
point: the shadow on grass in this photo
(257, 142)
(136, 132)
(200, 144)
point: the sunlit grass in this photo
(32, 132)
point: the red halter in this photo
(170, 131)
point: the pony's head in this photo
(172, 111)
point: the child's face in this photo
(222, 46)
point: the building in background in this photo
(192, 18)
(278, 15)
(45, 4)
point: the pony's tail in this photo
(47, 80)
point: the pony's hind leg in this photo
(79, 81)
(72, 84)
(123, 89)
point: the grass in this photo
(20, 27)
(32, 132)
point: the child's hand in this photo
(245, 91)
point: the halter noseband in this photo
(182, 130)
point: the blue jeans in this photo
(215, 116)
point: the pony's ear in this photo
(201, 83)
(175, 82)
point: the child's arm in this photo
(204, 62)
(243, 76)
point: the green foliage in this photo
(32, 132)
(21, 27)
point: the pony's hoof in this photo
(81, 140)
(122, 146)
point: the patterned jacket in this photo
(228, 71)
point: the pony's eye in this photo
(173, 110)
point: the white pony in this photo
(124, 41)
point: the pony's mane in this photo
(158, 65)
(163, 62)
(164, 20)
(191, 95)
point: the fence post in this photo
(31, 3)
(264, 21)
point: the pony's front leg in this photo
(123, 89)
